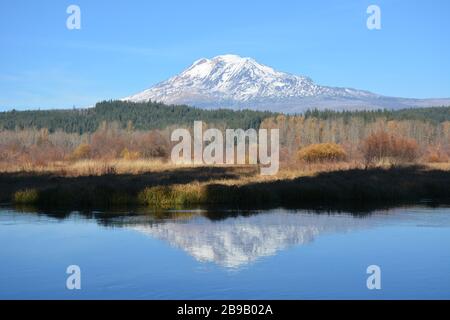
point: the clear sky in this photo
(124, 47)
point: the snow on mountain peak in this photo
(231, 81)
(228, 77)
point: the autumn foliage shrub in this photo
(83, 151)
(38, 148)
(151, 144)
(108, 141)
(130, 155)
(322, 152)
(435, 154)
(381, 146)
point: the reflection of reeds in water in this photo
(27, 196)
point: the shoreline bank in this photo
(217, 186)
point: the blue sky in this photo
(124, 47)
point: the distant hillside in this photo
(433, 114)
(150, 115)
(143, 116)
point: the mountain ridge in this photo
(234, 82)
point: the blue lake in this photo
(274, 254)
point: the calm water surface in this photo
(276, 254)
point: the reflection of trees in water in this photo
(228, 238)
(112, 215)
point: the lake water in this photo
(275, 254)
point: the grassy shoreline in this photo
(227, 186)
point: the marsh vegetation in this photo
(324, 157)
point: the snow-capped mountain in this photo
(230, 81)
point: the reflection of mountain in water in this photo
(235, 242)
